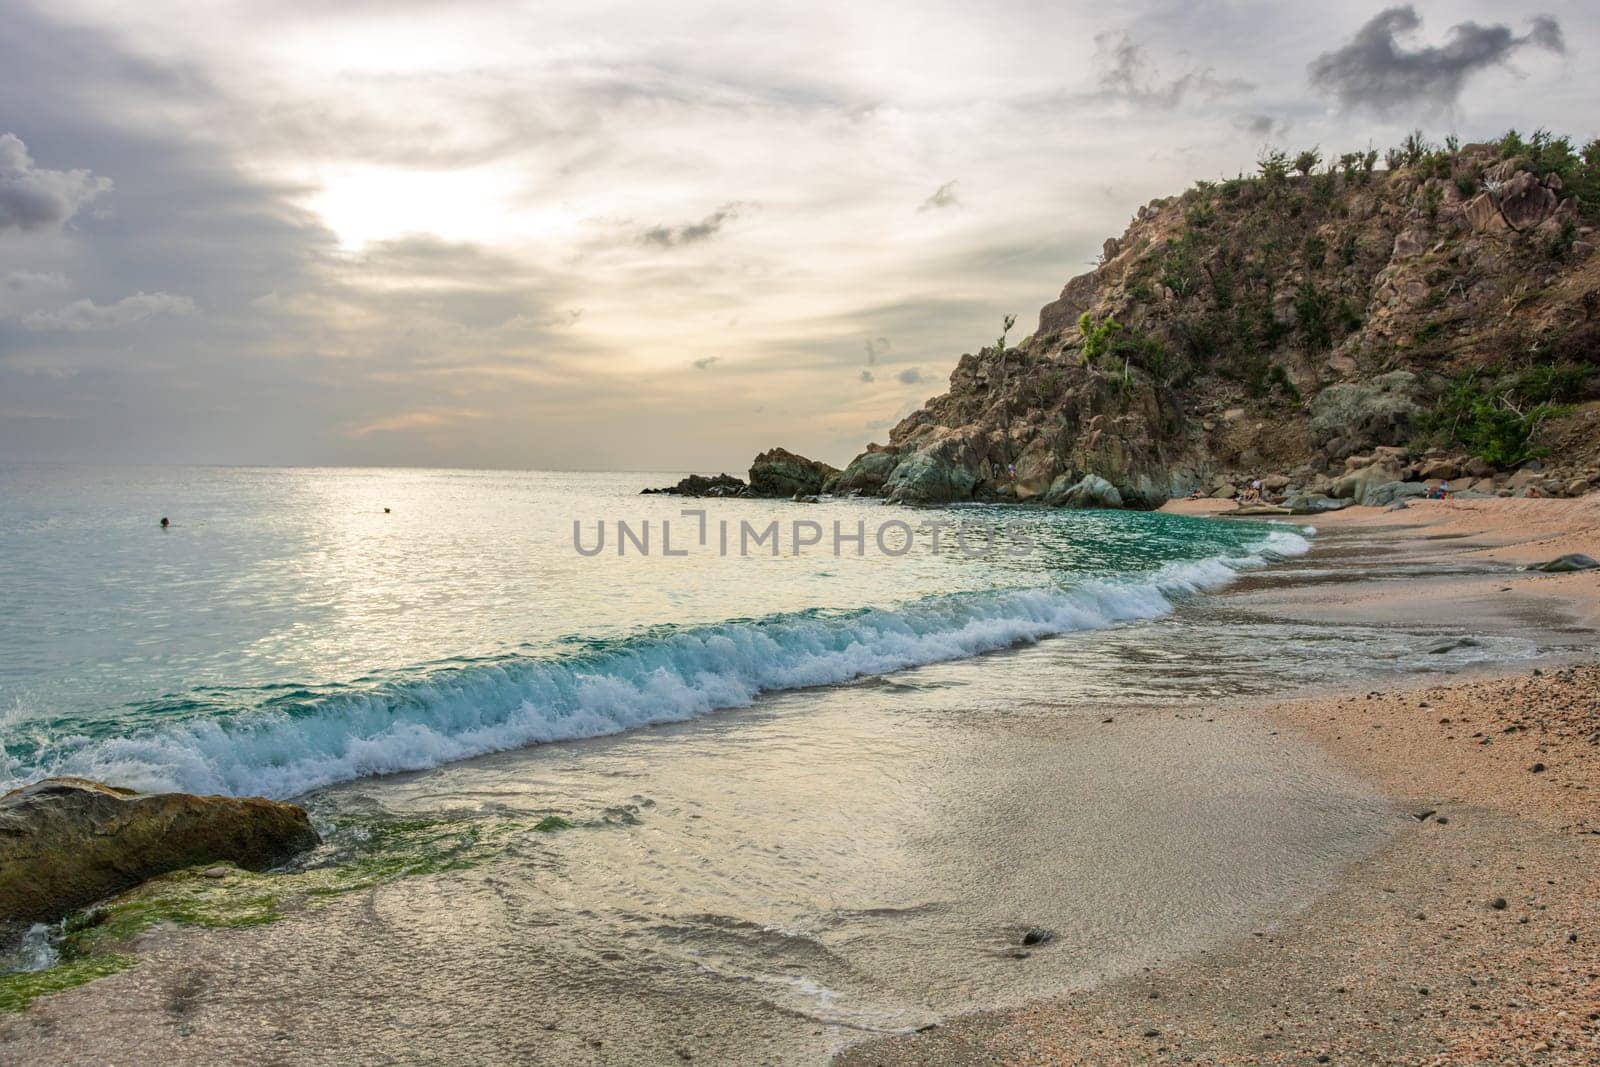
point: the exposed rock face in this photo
(1257, 328)
(67, 842)
(1354, 416)
(867, 473)
(779, 472)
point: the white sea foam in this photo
(460, 713)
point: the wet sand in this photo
(1210, 872)
(1473, 935)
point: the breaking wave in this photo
(290, 745)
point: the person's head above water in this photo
(164, 521)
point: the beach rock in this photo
(1383, 495)
(1572, 561)
(1453, 644)
(68, 842)
(1370, 485)
(1090, 491)
(779, 472)
(1312, 503)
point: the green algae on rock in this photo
(67, 842)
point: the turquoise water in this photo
(288, 633)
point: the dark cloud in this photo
(876, 346)
(1378, 73)
(33, 198)
(1128, 74)
(694, 232)
(1264, 127)
(944, 196)
(867, 377)
(909, 376)
(705, 362)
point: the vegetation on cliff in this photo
(1240, 327)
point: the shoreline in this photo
(355, 948)
(1468, 937)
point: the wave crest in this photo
(283, 751)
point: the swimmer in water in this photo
(165, 522)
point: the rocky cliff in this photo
(1436, 317)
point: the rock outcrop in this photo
(68, 842)
(779, 472)
(1448, 308)
(701, 485)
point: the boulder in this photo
(1388, 493)
(867, 472)
(1440, 469)
(68, 842)
(929, 477)
(1525, 202)
(1361, 485)
(1312, 503)
(1572, 561)
(779, 472)
(1483, 214)
(1090, 491)
(1224, 492)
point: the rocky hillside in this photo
(1434, 317)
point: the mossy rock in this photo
(68, 842)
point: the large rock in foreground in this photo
(68, 842)
(779, 472)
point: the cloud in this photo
(1264, 127)
(85, 315)
(876, 346)
(1127, 74)
(32, 198)
(19, 281)
(944, 196)
(909, 376)
(405, 422)
(705, 362)
(867, 378)
(694, 232)
(1378, 73)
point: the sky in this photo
(633, 236)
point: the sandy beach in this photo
(1472, 935)
(1344, 852)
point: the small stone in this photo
(1152, 1032)
(216, 872)
(1037, 936)
(1537, 768)
(1442, 820)
(1498, 904)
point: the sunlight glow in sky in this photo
(625, 235)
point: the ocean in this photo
(293, 629)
